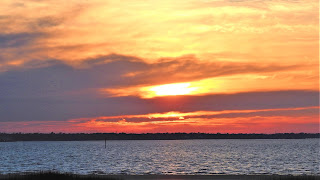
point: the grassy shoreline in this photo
(69, 176)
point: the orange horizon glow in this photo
(199, 121)
(264, 125)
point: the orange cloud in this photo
(218, 85)
(244, 121)
(182, 41)
(80, 30)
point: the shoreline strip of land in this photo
(11, 137)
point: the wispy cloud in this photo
(65, 60)
(275, 120)
(82, 29)
(180, 116)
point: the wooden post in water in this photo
(105, 143)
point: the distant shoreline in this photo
(11, 137)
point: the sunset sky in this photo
(147, 66)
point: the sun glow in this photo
(172, 89)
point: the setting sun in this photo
(172, 89)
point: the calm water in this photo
(164, 157)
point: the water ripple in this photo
(164, 157)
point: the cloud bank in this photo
(61, 61)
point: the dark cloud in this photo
(16, 40)
(53, 90)
(204, 115)
(269, 113)
(79, 106)
(53, 77)
(26, 38)
(101, 60)
(240, 101)
(190, 68)
(46, 22)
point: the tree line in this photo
(7, 137)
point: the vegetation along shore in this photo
(9, 137)
(69, 176)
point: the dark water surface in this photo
(279, 156)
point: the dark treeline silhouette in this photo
(70, 176)
(5, 137)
